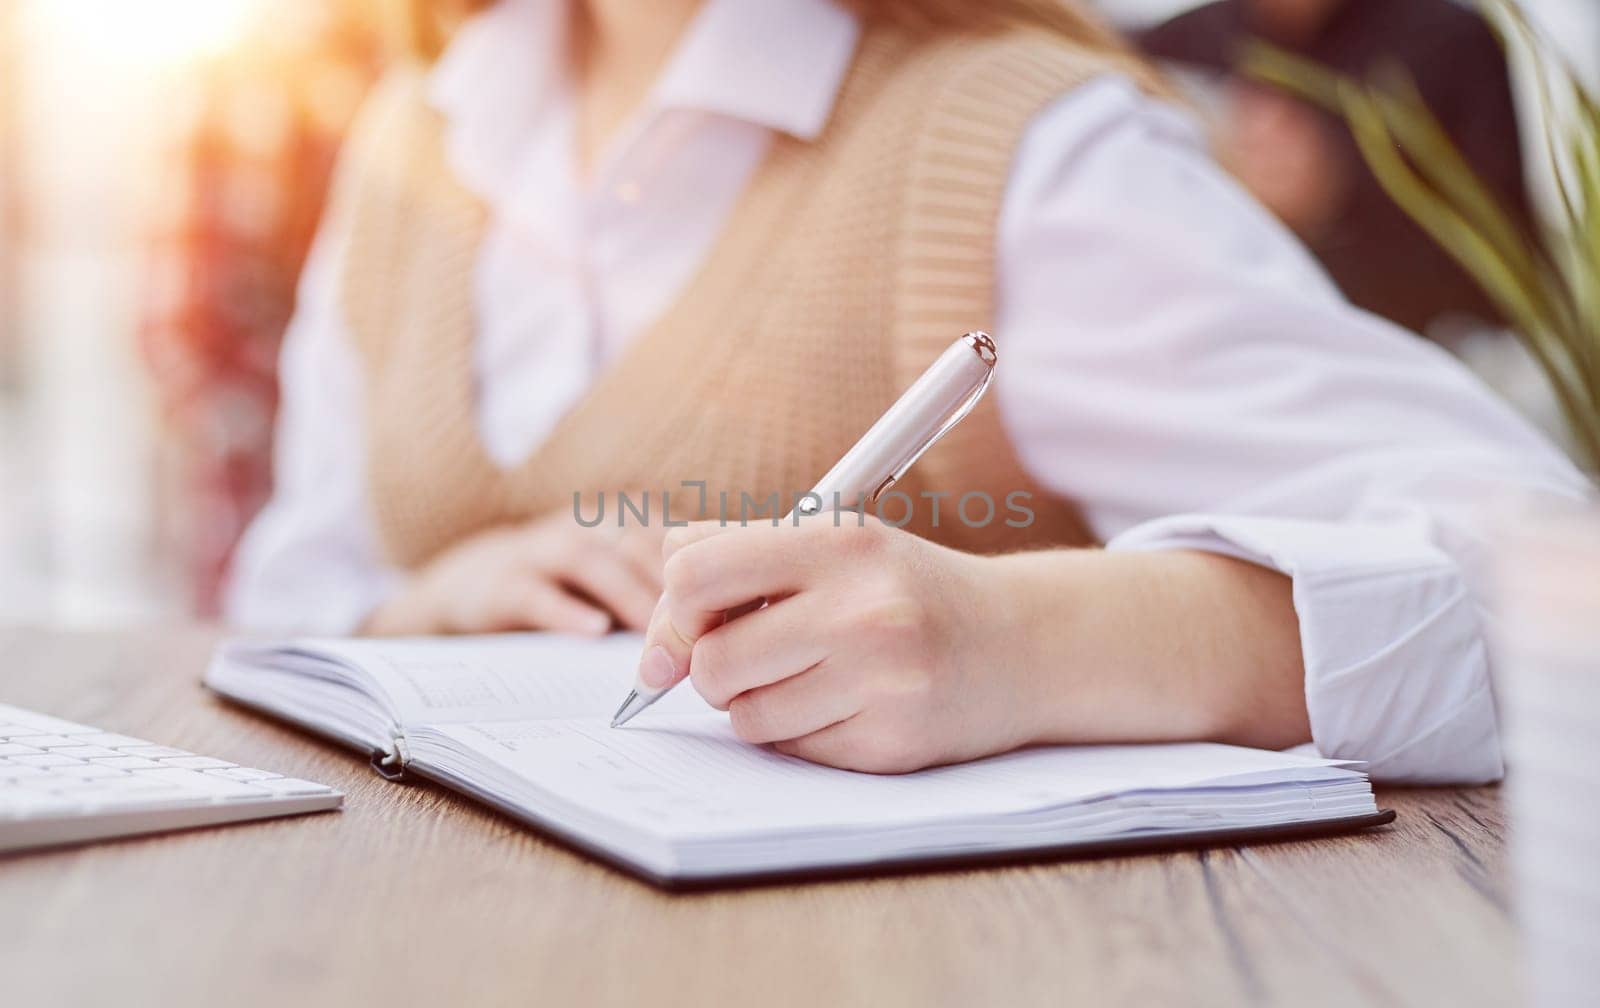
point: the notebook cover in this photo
(918, 863)
(909, 864)
(1080, 851)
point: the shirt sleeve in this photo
(1175, 362)
(310, 563)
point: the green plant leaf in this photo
(1542, 333)
(1548, 283)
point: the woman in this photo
(601, 246)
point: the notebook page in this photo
(689, 775)
(502, 677)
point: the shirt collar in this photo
(777, 63)
(503, 70)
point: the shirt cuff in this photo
(1396, 665)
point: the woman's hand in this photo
(883, 652)
(871, 654)
(547, 574)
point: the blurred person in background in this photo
(1303, 163)
(579, 248)
(250, 163)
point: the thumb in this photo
(665, 660)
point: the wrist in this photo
(1140, 647)
(1092, 640)
(1033, 601)
(1013, 607)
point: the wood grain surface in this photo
(410, 896)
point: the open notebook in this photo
(520, 722)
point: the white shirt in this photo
(1173, 360)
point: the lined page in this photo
(502, 677)
(688, 775)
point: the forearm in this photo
(1135, 647)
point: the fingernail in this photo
(597, 623)
(656, 669)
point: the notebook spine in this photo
(391, 765)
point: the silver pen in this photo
(935, 403)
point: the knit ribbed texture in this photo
(847, 266)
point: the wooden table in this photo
(410, 896)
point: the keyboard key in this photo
(90, 771)
(10, 772)
(62, 782)
(244, 773)
(14, 749)
(116, 800)
(15, 805)
(42, 784)
(217, 787)
(110, 740)
(128, 763)
(293, 786)
(84, 752)
(43, 760)
(133, 782)
(42, 724)
(196, 763)
(153, 751)
(42, 741)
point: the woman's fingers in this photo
(609, 579)
(701, 580)
(729, 568)
(665, 660)
(833, 745)
(545, 605)
(795, 707)
(758, 649)
(680, 536)
(641, 548)
(713, 570)
(853, 744)
(600, 567)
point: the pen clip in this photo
(956, 416)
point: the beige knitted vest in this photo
(847, 266)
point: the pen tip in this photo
(629, 708)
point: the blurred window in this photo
(248, 168)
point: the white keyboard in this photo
(66, 783)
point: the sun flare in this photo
(156, 33)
